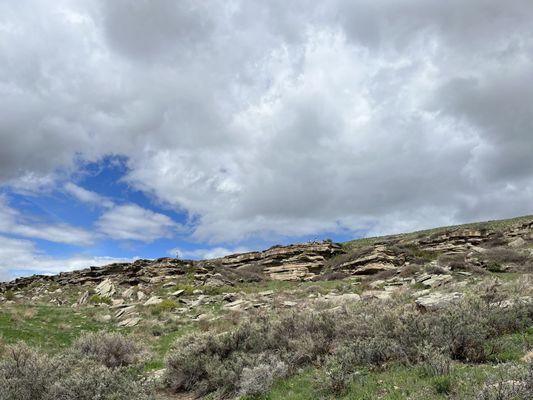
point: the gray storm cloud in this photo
(268, 118)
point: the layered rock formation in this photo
(296, 262)
(293, 262)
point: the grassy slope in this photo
(494, 225)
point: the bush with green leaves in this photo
(9, 295)
(97, 299)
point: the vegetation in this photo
(240, 334)
(26, 374)
(368, 336)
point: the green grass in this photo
(512, 347)
(49, 327)
(397, 382)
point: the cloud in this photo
(14, 223)
(87, 196)
(18, 256)
(132, 222)
(207, 253)
(274, 119)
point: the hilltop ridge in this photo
(305, 261)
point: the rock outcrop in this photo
(292, 262)
(298, 262)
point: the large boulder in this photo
(105, 288)
(436, 301)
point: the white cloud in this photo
(20, 256)
(131, 222)
(270, 119)
(14, 223)
(87, 196)
(207, 253)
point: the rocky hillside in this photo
(443, 313)
(315, 260)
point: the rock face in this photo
(379, 259)
(285, 263)
(298, 262)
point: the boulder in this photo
(129, 322)
(433, 281)
(376, 294)
(342, 299)
(436, 301)
(288, 303)
(128, 293)
(105, 288)
(373, 268)
(153, 301)
(518, 242)
(126, 311)
(237, 305)
(141, 295)
(83, 299)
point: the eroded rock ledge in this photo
(297, 262)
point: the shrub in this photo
(97, 299)
(442, 384)
(366, 335)
(434, 361)
(496, 258)
(338, 372)
(28, 375)
(165, 306)
(435, 269)
(517, 386)
(9, 295)
(110, 349)
(257, 380)
(409, 270)
(456, 262)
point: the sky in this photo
(145, 129)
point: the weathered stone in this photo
(289, 303)
(518, 242)
(105, 288)
(128, 293)
(83, 299)
(126, 311)
(177, 293)
(375, 294)
(141, 295)
(342, 299)
(153, 301)
(236, 305)
(229, 297)
(129, 322)
(436, 280)
(436, 300)
(117, 302)
(373, 268)
(214, 282)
